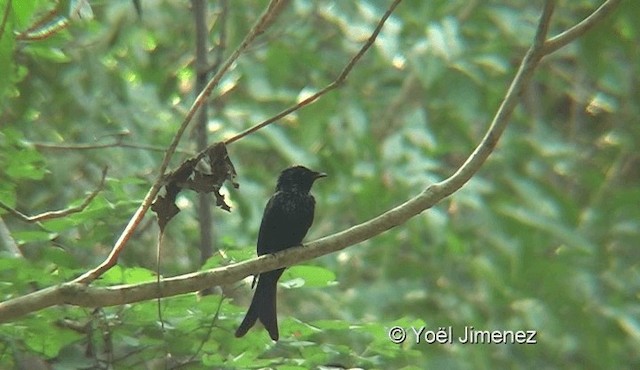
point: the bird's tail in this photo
(263, 305)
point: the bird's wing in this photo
(285, 222)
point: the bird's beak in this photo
(318, 175)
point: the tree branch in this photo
(266, 19)
(336, 83)
(7, 241)
(204, 211)
(5, 17)
(49, 215)
(581, 28)
(82, 295)
(116, 144)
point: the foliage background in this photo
(544, 238)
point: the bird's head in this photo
(297, 178)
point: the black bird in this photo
(286, 220)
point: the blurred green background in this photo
(545, 236)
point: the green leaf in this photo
(41, 335)
(31, 236)
(7, 195)
(331, 324)
(311, 276)
(128, 275)
(51, 54)
(23, 11)
(134, 275)
(25, 163)
(240, 254)
(7, 45)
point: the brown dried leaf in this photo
(193, 174)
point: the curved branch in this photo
(82, 295)
(116, 144)
(273, 10)
(561, 40)
(5, 17)
(72, 293)
(49, 215)
(266, 19)
(333, 85)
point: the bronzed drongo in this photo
(286, 219)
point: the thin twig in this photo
(82, 295)
(502, 116)
(561, 40)
(7, 240)
(5, 17)
(336, 83)
(115, 144)
(212, 323)
(59, 213)
(222, 38)
(40, 30)
(275, 6)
